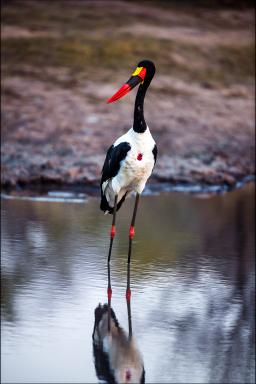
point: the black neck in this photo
(139, 124)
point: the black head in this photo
(150, 67)
(143, 75)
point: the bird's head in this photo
(143, 73)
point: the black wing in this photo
(111, 167)
(155, 152)
(112, 162)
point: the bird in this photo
(131, 158)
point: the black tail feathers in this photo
(104, 206)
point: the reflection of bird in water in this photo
(130, 160)
(116, 357)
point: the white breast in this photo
(133, 172)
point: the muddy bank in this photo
(58, 72)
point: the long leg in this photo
(109, 291)
(113, 229)
(132, 231)
(128, 301)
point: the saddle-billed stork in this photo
(130, 160)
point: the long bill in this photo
(137, 77)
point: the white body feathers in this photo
(133, 173)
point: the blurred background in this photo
(62, 59)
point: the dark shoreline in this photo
(69, 192)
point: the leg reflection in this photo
(116, 356)
(128, 301)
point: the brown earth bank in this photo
(62, 60)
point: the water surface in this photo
(192, 283)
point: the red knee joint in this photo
(113, 231)
(131, 232)
(109, 293)
(128, 294)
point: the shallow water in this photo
(192, 284)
